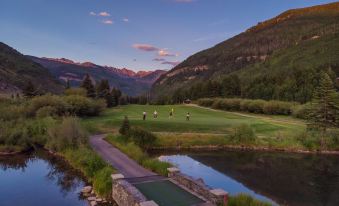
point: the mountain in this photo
(277, 59)
(16, 70)
(129, 82)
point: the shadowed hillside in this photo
(16, 70)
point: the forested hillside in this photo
(16, 71)
(277, 59)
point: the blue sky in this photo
(136, 34)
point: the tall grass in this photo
(136, 153)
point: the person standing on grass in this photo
(144, 115)
(171, 114)
(188, 116)
(155, 114)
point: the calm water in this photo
(38, 179)
(280, 178)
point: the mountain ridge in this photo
(130, 82)
(259, 45)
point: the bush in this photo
(142, 138)
(76, 91)
(205, 102)
(125, 127)
(278, 107)
(11, 112)
(46, 112)
(39, 102)
(83, 106)
(68, 134)
(243, 134)
(256, 106)
(301, 111)
(243, 199)
(247, 105)
(157, 166)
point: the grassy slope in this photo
(205, 123)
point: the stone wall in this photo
(125, 194)
(215, 196)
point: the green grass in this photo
(203, 120)
(135, 152)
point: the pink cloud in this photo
(159, 59)
(145, 47)
(165, 53)
(107, 21)
(104, 13)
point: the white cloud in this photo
(92, 13)
(125, 19)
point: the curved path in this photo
(125, 165)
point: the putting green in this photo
(165, 193)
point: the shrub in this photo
(256, 106)
(76, 91)
(125, 127)
(46, 111)
(277, 107)
(46, 101)
(243, 199)
(11, 112)
(243, 134)
(205, 102)
(68, 134)
(142, 138)
(301, 111)
(83, 106)
(157, 166)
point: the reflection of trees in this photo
(58, 171)
(16, 162)
(293, 178)
(61, 173)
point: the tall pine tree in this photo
(103, 91)
(325, 106)
(29, 90)
(88, 85)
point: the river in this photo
(39, 179)
(279, 178)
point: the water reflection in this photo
(38, 179)
(289, 179)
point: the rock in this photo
(98, 199)
(94, 203)
(92, 192)
(91, 198)
(86, 189)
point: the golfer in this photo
(144, 115)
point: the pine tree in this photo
(88, 85)
(103, 91)
(325, 106)
(29, 90)
(68, 85)
(116, 93)
(125, 127)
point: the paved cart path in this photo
(125, 165)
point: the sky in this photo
(134, 34)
